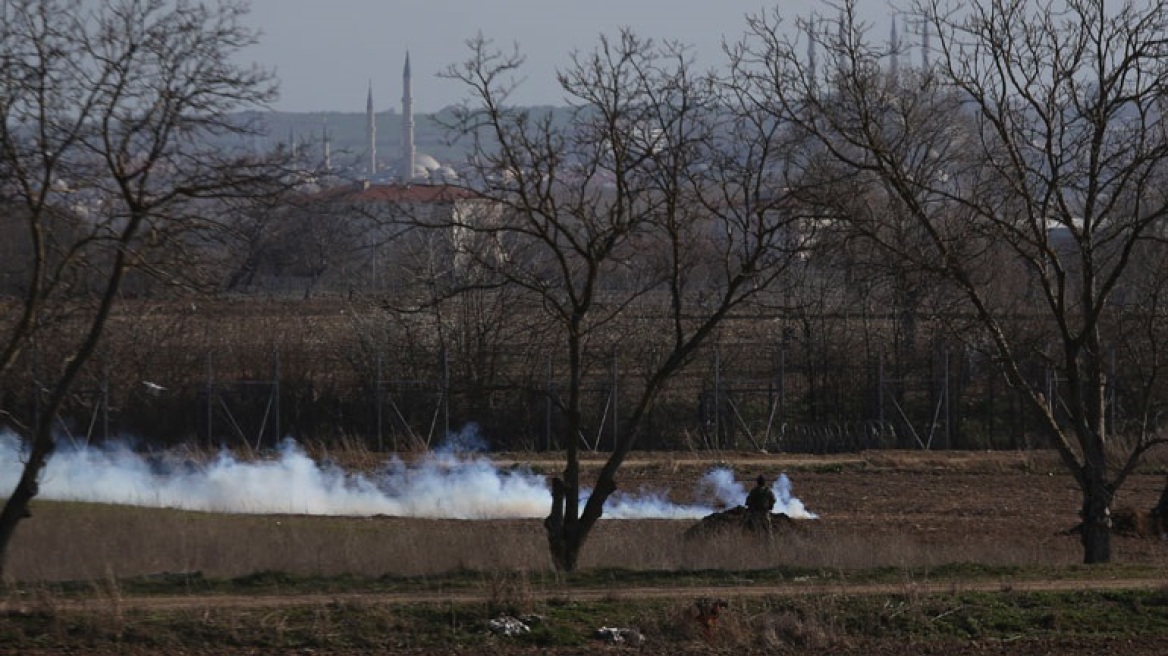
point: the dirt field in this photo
(936, 507)
(879, 509)
(906, 510)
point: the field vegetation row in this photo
(899, 618)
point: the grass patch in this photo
(512, 589)
(762, 622)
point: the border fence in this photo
(784, 395)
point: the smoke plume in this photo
(455, 482)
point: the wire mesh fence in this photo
(775, 396)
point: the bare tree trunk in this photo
(563, 556)
(563, 534)
(1160, 514)
(566, 535)
(133, 55)
(43, 444)
(1096, 533)
(16, 507)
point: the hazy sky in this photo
(326, 53)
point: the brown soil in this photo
(942, 508)
(951, 502)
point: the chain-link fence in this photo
(786, 394)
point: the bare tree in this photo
(658, 195)
(116, 115)
(1032, 150)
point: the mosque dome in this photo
(411, 165)
(424, 162)
(428, 168)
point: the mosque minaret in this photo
(894, 49)
(410, 165)
(371, 131)
(925, 45)
(811, 37)
(409, 152)
(328, 147)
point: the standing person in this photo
(759, 504)
(761, 499)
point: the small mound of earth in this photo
(1137, 523)
(739, 520)
(1132, 523)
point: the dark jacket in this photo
(761, 499)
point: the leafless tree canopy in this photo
(117, 145)
(1022, 168)
(660, 194)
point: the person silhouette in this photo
(761, 499)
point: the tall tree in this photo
(660, 194)
(1030, 148)
(116, 141)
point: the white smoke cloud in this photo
(450, 483)
(788, 504)
(720, 484)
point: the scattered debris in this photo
(706, 612)
(508, 626)
(620, 636)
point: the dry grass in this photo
(101, 543)
(83, 541)
(506, 565)
(992, 509)
(759, 626)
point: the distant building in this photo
(387, 235)
(356, 227)
(410, 166)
